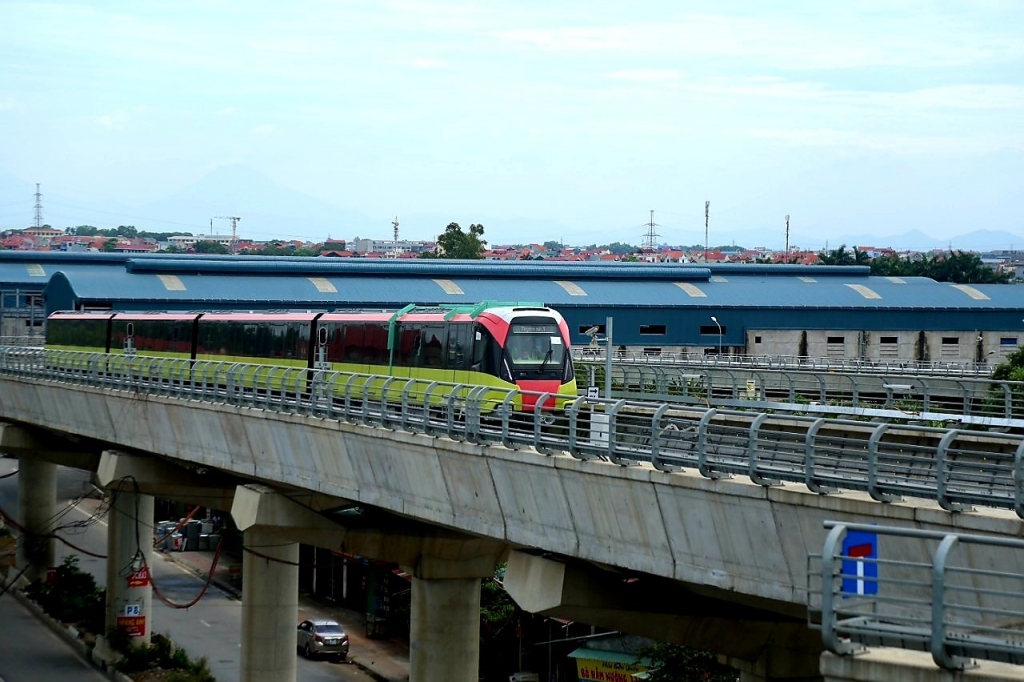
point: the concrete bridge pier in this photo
(37, 507)
(132, 481)
(444, 627)
(38, 453)
(129, 554)
(270, 606)
(271, 524)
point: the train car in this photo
(504, 346)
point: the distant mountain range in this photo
(915, 240)
(269, 211)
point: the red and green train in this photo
(500, 345)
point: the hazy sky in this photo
(859, 117)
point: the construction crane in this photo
(234, 227)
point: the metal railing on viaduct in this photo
(958, 469)
(948, 399)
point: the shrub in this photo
(72, 596)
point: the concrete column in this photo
(270, 606)
(37, 507)
(444, 638)
(129, 548)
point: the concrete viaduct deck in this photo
(716, 563)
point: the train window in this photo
(652, 329)
(83, 334)
(353, 344)
(486, 351)
(460, 346)
(169, 336)
(375, 344)
(409, 346)
(433, 346)
(278, 340)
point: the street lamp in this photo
(715, 320)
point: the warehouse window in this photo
(652, 329)
(835, 346)
(888, 347)
(712, 330)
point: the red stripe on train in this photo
(532, 387)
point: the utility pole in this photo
(707, 211)
(39, 207)
(787, 237)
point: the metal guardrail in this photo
(956, 468)
(924, 398)
(823, 364)
(942, 602)
(35, 341)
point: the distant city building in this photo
(188, 241)
(388, 246)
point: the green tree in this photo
(456, 244)
(109, 245)
(1012, 369)
(553, 245)
(841, 256)
(83, 231)
(956, 267)
(619, 248)
(677, 663)
(210, 247)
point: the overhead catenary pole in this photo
(608, 358)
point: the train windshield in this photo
(535, 350)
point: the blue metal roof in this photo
(681, 297)
(286, 287)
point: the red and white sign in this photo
(133, 625)
(139, 578)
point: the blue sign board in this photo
(860, 563)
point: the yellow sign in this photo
(607, 671)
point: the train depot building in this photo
(657, 309)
